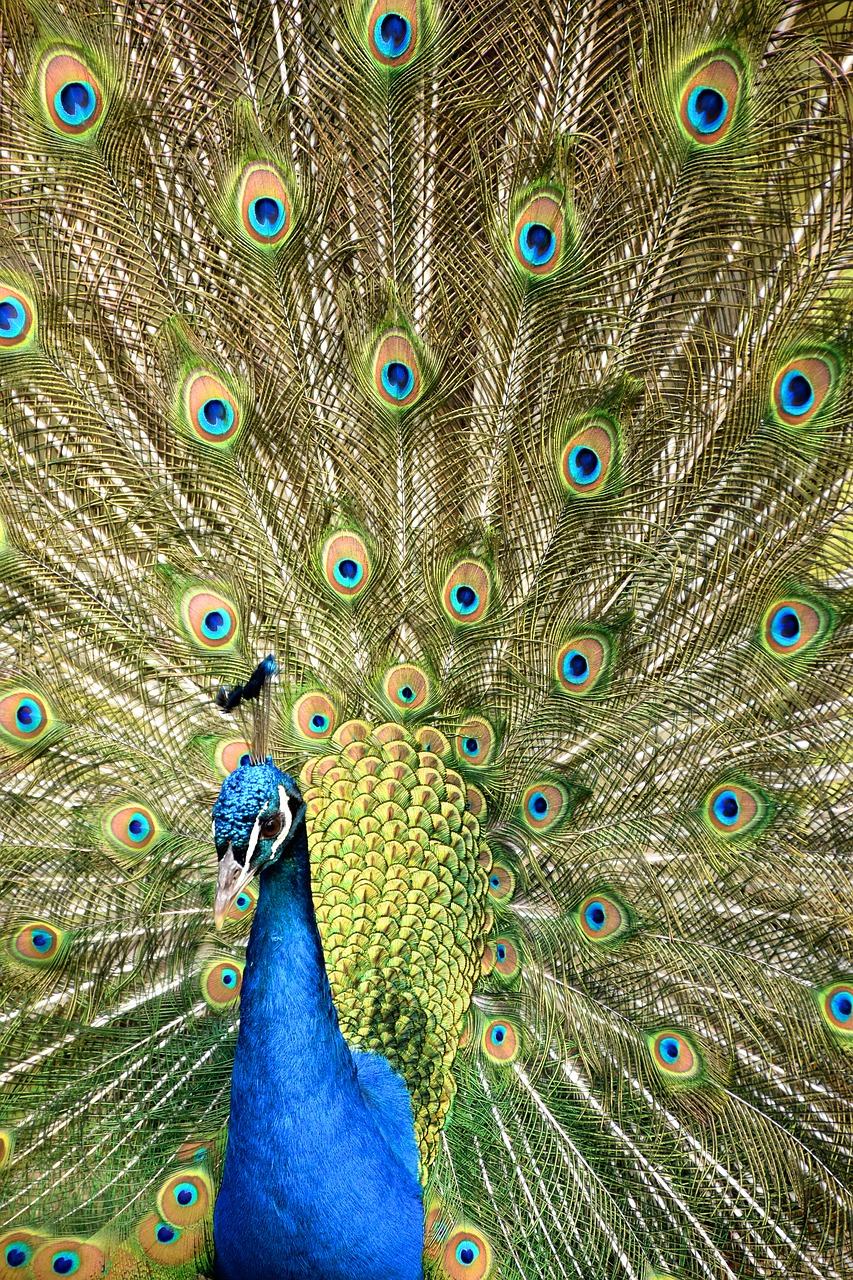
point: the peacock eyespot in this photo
(733, 809)
(475, 803)
(17, 1253)
(17, 1249)
(580, 663)
(392, 32)
(466, 592)
(73, 98)
(396, 371)
(791, 626)
(243, 904)
(601, 918)
(68, 1258)
(346, 565)
(221, 982)
(166, 1244)
(212, 411)
(407, 687)
(17, 316)
(587, 459)
(185, 1198)
(543, 806)
(475, 742)
(501, 883)
(506, 958)
(800, 388)
(500, 1041)
(37, 942)
(229, 754)
(211, 620)
(436, 1228)
(836, 1007)
(65, 1263)
(466, 1254)
(131, 826)
(314, 716)
(197, 1149)
(264, 206)
(673, 1055)
(709, 100)
(537, 237)
(25, 716)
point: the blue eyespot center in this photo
(138, 827)
(706, 109)
(13, 317)
(65, 1264)
(575, 667)
(185, 1193)
(727, 808)
(75, 103)
(216, 416)
(166, 1234)
(538, 243)
(397, 379)
(537, 805)
(319, 722)
(495, 882)
(241, 902)
(796, 393)
(406, 694)
(500, 951)
(471, 746)
(584, 464)
(595, 916)
(467, 1253)
(29, 715)
(229, 979)
(18, 1254)
(393, 35)
(348, 572)
(785, 626)
(842, 1006)
(41, 941)
(464, 599)
(670, 1049)
(498, 1034)
(267, 215)
(214, 623)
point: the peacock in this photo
(426, 450)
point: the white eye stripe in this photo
(253, 840)
(287, 817)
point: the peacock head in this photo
(255, 818)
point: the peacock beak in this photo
(233, 877)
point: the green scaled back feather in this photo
(503, 392)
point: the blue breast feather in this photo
(320, 1174)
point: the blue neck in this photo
(310, 1185)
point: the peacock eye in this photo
(272, 826)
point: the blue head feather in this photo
(251, 789)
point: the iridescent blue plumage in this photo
(321, 1169)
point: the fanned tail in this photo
(494, 378)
